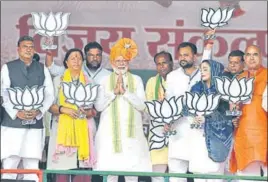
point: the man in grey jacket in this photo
(20, 140)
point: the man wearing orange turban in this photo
(120, 142)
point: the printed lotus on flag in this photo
(211, 18)
(80, 95)
(235, 90)
(27, 99)
(158, 139)
(201, 105)
(166, 111)
(50, 25)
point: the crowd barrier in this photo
(42, 174)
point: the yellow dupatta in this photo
(72, 133)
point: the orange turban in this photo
(126, 48)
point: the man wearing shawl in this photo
(120, 141)
(250, 139)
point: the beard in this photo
(122, 71)
(93, 65)
(186, 64)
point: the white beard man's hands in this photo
(121, 89)
(117, 89)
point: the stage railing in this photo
(150, 174)
(42, 174)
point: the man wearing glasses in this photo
(235, 64)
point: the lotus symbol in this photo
(27, 99)
(213, 19)
(235, 90)
(163, 113)
(50, 25)
(80, 95)
(167, 111)
(158, 139)
(201, 105)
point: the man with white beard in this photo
(120, 141)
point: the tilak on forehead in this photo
(126, 48)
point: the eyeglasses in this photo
(27, 47)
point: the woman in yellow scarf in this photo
(71, 137)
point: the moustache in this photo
(185, 64)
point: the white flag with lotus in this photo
(162, 114)
(28, 99)
(83, 96)
(213, 19)
(201, 105)
(235, 91)
(50, 25)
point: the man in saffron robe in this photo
(120, 141)
(249, 155)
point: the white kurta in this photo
(176, 85)
(189, 144)
(179, 147)
(199, 159)
(22, 142)
(135, 154)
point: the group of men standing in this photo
(120, 143)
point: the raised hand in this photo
(209, 38)
(49, 58)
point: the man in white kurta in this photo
(178, 82)
(23, 142)
(120, 143)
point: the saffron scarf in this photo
(114, 112)
(72, 134)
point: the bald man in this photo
(250, 140)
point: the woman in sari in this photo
(71, 136)
(212, 143)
